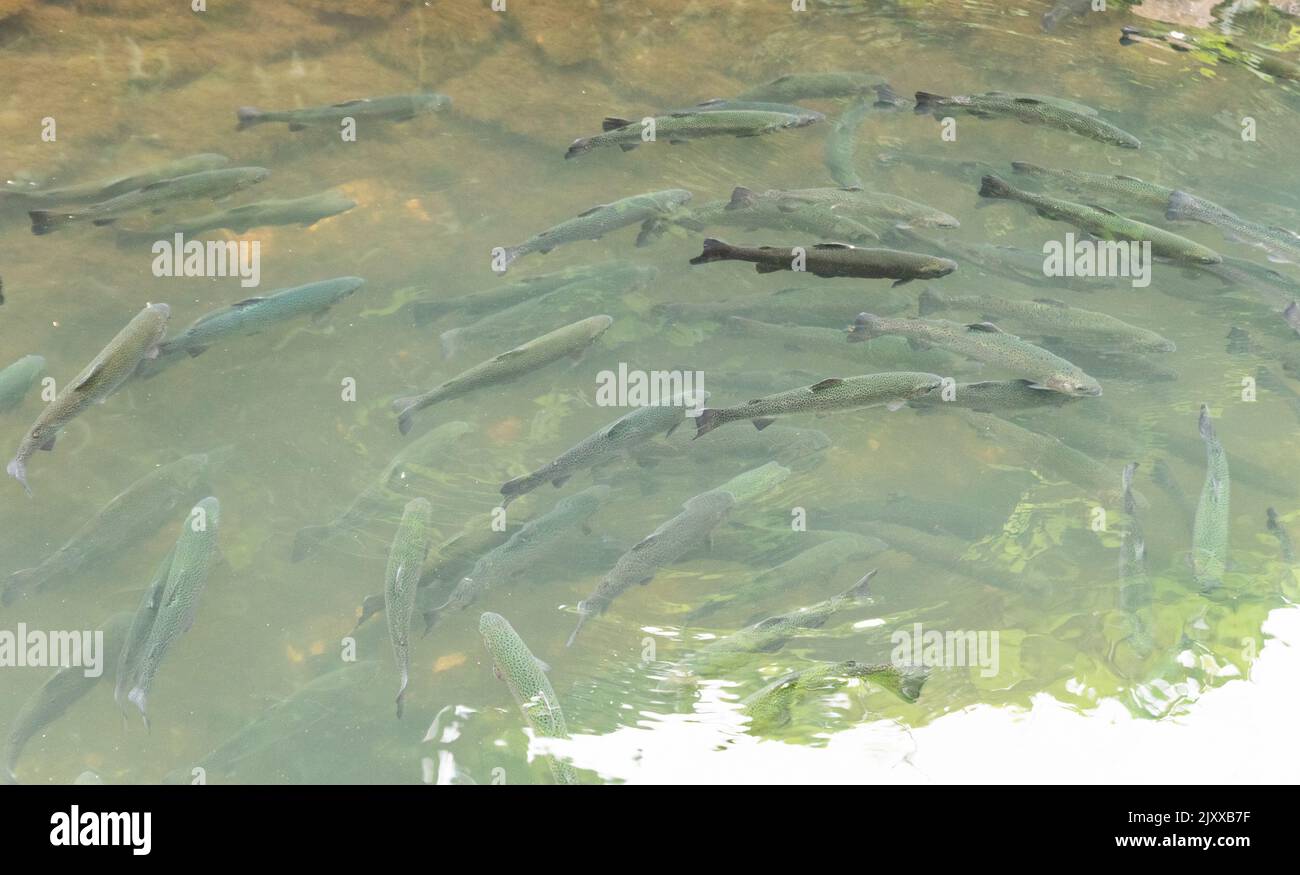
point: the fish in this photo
(618, 438)
(595, 222)
(724, 104)
(401, 579)
(194, 555)
(840, 151)
(154, 197)
(748, 485)
(1210, 527)
(817, 563)
(1115, 364)
(398, 108)
(17, 380)
(771, 634)
(898, 355)
(772, 707)
(94, 192)
(536, 540)
(892, 389)
(1029, 110)
(1119, 188)
(330, 698)
(805, 86)
(793, 447)
(251, 316)
(984, 342)
(605, 275)
(995, 396)
(857, 204)
(65, 688)
(131, 517)
(527, 319)
(304, 211)
(1283, 537)
(960, 519)
(750, 212)
(1281, 244)
(525, 676)
(1291, 315)
(428, 450)
(1135, 594)
(137, 638)
(1103, 223)
(832, 260)
(570, 341)
(684, 127)
(1052, 318)
(101, 378)
(687, 531)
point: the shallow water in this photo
(436, 194)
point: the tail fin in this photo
(651, 231)
(1292, 315)
(372, 605)
(994, 186)
(925, 102)
(861, 589)
(424, 312)
(584, 614)
(1180, 207)
(16, 587)
(714, 250)
(511, 254)
(1026, 168)
(865, 327)
(449, 343)
(307, 540)
(1205, 426)
(139, 698)
(405, 409)
(18, 470)
(47, 221)
(929, 302)
(247, 117)
(580, 146)
(741, 198)
(401, 694)
(707, 420)
(887, 97)
(512, 489)
(911, 680)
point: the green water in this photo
(436, 194)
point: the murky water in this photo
(1001, 531)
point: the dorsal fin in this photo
(986, 327)
(825, 384)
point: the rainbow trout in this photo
(398, 108)
(892, 389)
(1210, 527)
(17, 380)
(94, 192)
(570, 340)
(684, 127)
(1099, 186)
(808, 86)
(1030, 110)
(525, 676)
(1103, 224)
(401, 579)
(192, 559)
(832, 260)
(108, 370)
(841, 149)
(984, 342)
(685, 532)
(303, 211)
(856, 204)
(772, 707)
(1282, 245)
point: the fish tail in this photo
(1026, 168)
(861, 589)
(510, 255)
(994, 186)
(139, 698)
(651, 231)
(865, 327)
(449, 343)
(307, 540)
(424, 312)
(929, 302)
(405, 409)
(912, 679)
(1205, 426)
(580, 146)
(18, 470)
(18, 585)
(714, 250)
(248, 116)
(1179, 207)
(925, 102)
(401, 695)
(47, 221)
(7, 775)
(707, 420)
(887, 97)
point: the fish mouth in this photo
(1087, 391)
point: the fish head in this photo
(1080, 385)
(674, 197)
(937, 267)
